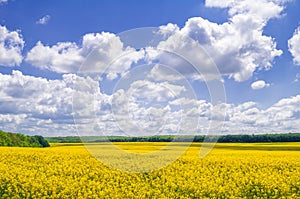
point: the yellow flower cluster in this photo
(229, 171)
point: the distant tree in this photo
(18, 139)
(287, 137)
(42, 141)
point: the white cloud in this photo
(40, 106)
(168, 30)
(294, 46)
(44, 20)
(135, 117)
(262, 9)
(37, 105)
(164, 73)
(238, 46)
(112, 76)
(259, 85)
(3, 1)
(189, 59)
(95, 54)
(285, 111)
(163, 91)
(8, 118)
(26, 101)
(11, 46)
(282, 117)
(63, 57)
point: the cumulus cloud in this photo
(238, 47)
(62, 57)
(259, 85)
(159, 103)
(188, 58)
(294, 46)
(43, 106)
(144, 109)
(95, 54)
(281, 117)
(168, 30)
(164, 73)
(159, 91)
(44, 20)
(285, 112)
(21, 94)
(39, 106)
(261, 10)
(11, 46)
(234, 49)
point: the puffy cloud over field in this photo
(159, 83)
(31, 104)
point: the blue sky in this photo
(254, 45)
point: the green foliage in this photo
(287, 137)
(18, 139)
(68, 139)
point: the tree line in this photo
(21, 140)
(286, 137)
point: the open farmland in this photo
(230, 171)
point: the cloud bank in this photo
(156, 105)
(30, 104)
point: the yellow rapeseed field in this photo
(229, 171)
